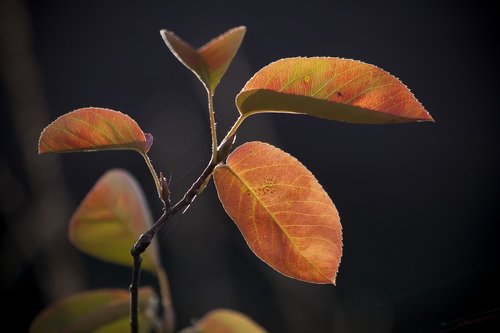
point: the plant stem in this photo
(229, 136)
(153, 173)
(146, 238)
(134, 297)
(212, 126)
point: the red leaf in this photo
(90, 129)
(210, 62)
(330, 88)
(286, 217)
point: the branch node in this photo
(141, 245)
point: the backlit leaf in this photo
(210, 62)
(285, 216)
(110, 220)
(97, 311)
(330, 88)
(225, 321)
(90, 129)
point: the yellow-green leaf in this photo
(97, 311)
(210, 62)
(91, 129)
(225, 321)
(110, 220)
(330, 88)
(285, 216)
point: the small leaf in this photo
(110, 220)
(97, 311)
(210, 62)
(225, 321)
(285, 216)
(330, 88)
(91, 129)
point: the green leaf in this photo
(210, 62)
(110, 220)
(225, 321)
(91, 129)
(97, 311)
(330, 88)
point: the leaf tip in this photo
(425, 116)
(173, 42)
(240, 28)
(166, 35)
(430, 118)
(146, 145)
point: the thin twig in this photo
(146, 238)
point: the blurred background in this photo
(418, 202)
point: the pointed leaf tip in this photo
(285, 216)
(331, 88)
(210, 62)
(91, 129)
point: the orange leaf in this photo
(110, 220)
(210, 62)
(90, 129)
(102, 310)
(330, 88)
(286, 217)
(225, 321)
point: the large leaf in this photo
(97, 311)
(286, 217)
(225, 321)
(210, 62)
(330, 88)
(110, 220)
(90, 129)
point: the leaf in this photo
(210, 62)
(97, 311)
(110, 220)
(225, 321)
(330, 88)
(91, 129)
(285, 216)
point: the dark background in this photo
(418, 202)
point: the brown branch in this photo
(182, 205)
(134, 297)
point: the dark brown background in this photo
(418, 202)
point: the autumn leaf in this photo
(285, 216)
(210, 62)
(110, 220)
(91, 129)
(97, 311)
(225, 321)
(330, 88)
